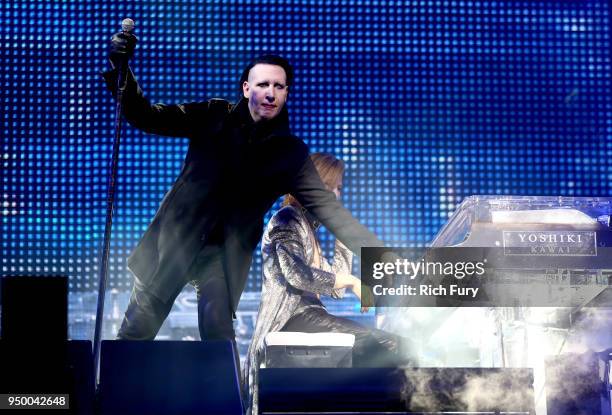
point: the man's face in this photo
(266, 90)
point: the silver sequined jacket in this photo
(288, 253)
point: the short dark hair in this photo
(270, 60)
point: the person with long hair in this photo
(296, 274)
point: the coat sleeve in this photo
(287, 240)
(310, 191)
(180, 120)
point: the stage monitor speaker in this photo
(34, 308)
(64, 368)
(578, 384)
(169, 377)
(395, 391)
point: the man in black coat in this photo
(241, 159)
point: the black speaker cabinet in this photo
(395, 391)
(169, 377)
(34, 308)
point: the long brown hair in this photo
(330, 170)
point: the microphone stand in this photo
(110, 203)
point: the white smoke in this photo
(498, 390)
(457, 389)
(527, 339)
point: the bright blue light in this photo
(427, 102)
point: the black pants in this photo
(146, 313)
(373, 347)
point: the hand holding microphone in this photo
(121, 50)
(122, 45)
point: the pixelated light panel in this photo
(427, 102)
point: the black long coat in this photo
(233, 173)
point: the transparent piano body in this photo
(519, 336)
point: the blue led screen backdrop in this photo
(427, 102)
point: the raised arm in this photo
(170, 120)
(179, 120)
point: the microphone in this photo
(127, 27)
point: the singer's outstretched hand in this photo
(122, 47)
